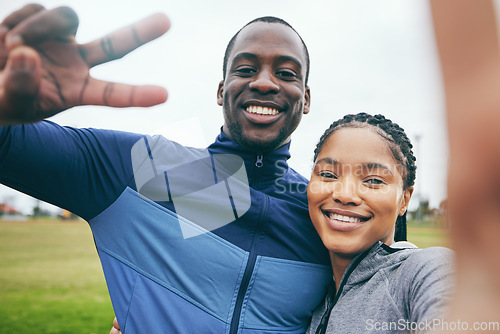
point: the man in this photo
(191, 240)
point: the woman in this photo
(358, 196)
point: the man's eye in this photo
(245, 70)
(327, 175)
(286, 74)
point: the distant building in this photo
(8, 212)
(67, 215)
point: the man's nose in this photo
(265, 82)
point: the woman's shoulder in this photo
(426, 272)
(423, 282)
(414, 268)
(430, 257)
(413, 262)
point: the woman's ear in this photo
(405, 200)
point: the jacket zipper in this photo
(252, 258)
(259, 161)
(331, 303)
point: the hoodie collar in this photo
(272, 164)
(376, 258)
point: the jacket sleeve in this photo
(81, 170)
(430, 278)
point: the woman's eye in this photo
(374, 181)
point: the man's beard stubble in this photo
(257, 146)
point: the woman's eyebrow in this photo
(376, 165)
(364, 166)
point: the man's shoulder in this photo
(296, 177)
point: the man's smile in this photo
(262, 113)
(262, 110)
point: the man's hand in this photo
(43, 71)
(116, 328)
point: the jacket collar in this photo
(273, 164)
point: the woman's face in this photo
(356, 191)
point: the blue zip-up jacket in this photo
(214, 240)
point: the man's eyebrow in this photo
(289, 58)
(327, 160)
(244, 55)
(252, 56)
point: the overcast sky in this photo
(373, 56)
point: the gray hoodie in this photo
(388, 290)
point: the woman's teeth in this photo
(346, 219)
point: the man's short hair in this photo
(266, 19)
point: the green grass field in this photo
(51, 280)
(428, 234)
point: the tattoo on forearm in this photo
(132, 96)
(82, 91)
(45, 55)
(107, 47)
(83, 53)
(136, 36)
(108, 91)
(58, 86)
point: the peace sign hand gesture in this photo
(43, 71)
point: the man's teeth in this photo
(346, 219)
(262, 110)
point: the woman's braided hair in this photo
(399, 144)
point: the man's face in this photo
(264, 93)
